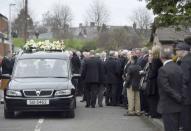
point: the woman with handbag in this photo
(151, 86)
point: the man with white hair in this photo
(102, 85)
(116, 54)
(85, 55)
(92, 76)
(122, 60)
(103, 56)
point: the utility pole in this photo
(10, 29)
(26, 19)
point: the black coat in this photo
(92, 70)
(112, 71)
(133, 77)
(170, 83)
(152, 88)
(75, 63)
(186, 67)
(103, 73)
(7, 65)
(122, 64)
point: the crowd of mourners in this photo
(155, 82)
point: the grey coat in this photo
(170, 84)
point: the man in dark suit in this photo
(75, 63)
(102, 87)
(143, 58)
(75, 66)
(183, 52)
(111, 68)
(142, 61)
(92, 76)
(122, 60)
(170, 83)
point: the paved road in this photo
(87, 119)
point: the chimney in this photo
(80, 25)
(92, 24)
(134, 26)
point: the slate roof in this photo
(171, 34)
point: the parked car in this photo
(41, 81)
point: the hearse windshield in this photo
(41, 68)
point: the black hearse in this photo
(40, 81)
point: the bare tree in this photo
(59, 19)
(62, 16)
(98, 13)
(142, 18)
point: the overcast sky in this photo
(120, 10)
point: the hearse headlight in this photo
(63, 93)
(13, 93)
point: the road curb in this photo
(156, 122)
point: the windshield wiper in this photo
(31, 77)
(58, 77)
(44, 77)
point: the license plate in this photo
(37, 102)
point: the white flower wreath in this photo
(44, 45)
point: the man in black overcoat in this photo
(75, 67)
(92, 76)
(112, 73)
(75, 63)
(170, 84)
(122, 60)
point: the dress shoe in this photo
(158, 116)
(138, 114)
(93, 106)
(129, 114)
(108, 104)
(100, 105)
(87, 106)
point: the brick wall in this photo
(3, 29)
(4, 49)
(1, 50)
(3, 25)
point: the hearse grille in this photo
(38, 93)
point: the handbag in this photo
(143, 84)
(144, 80)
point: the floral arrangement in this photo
(44, 45)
